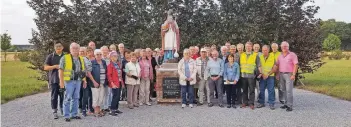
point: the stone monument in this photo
(167, 82)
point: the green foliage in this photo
(332, 42)
(347, 56)
(332, 79)
(340, 29)
(336, 55)
(137, 24)
(24, 56)
(17, 81)
(5, 43)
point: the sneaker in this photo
(221, 105)
(76, 117)
(84, 113)
(229, 106)
(233, 106)
(260, 106)
(191, 105)
(119, 112)
(281, 102)
(148, 104)
(183, 105)
(289, 109)
(55, 115)
(141, 104)
(210, 104)
(113, 113)
(67, 119)
(199, 104)
(284, 107)
(271, 107)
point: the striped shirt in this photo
(102, 74)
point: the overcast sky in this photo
(17, 16)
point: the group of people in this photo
(95, 80)
(236, 72)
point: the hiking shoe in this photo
(233, 106)
(284, 107)
(113, 113)
(119, 112)
(289, 109)
(67, 119)
(229, 106)
(148, 104)
(183, 105)
(199, 104)
(221, 105)
(191, 105)
(55, 115)
(76, 117)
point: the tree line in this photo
(136, 23)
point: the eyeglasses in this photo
(98, 54)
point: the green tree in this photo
(340, 29)
(332, 42)
(5, 43)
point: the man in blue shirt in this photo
(214, 72)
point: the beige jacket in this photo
(181, 71)
(134, 69)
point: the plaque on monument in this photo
(171, 87)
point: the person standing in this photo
(187, 77)
(227, 44)
(121, 50)
(224, 54)
(249, 61)
(85, 100)
(146, 76)
(287, 64)
(240, 48)
(52, 62)
(201, 64)
(114, 76)
(92, 45)
(125, 60)
(256, 48)
(98, 77)
(153, 62)
(107, 103)
(132, 70)
(275, 53)
(214, 69)
(231, 76)
(266, 81)
(71, 74)
(112, 48)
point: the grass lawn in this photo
(333, 78)
(17, 81)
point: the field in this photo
(333, 78)
(9, 56)
(17, 81)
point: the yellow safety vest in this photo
(67, 73)
(267, 65)
(275, 55)
(247, 65)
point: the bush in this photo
(24, 56)
(336, 55)
(332, 42)
(347, 56)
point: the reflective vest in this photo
(67, 73)
(267, 65)
(248, 65)
(275, 55)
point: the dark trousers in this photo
(187, 89)
(116, 94)
(55, 93)
(239, 97)
(123, 94)
(248, 86)
(87, 101)
(152, 88)
(231, 93)
(80, 103)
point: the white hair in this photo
(284, 43)
(266, 46)
(240, 45)
(120, 45)
(197, 48)
(186, 51)
(274, 45)
(104, 47)
(97, 51)
(74, 44)
(148, 49)
(83, 48)
(223, 47)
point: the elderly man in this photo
(86, 98)
(121, 51)
(201, 64)
(256, 48)
(248, 62)
(287, 66)
(227, 44)
(214, 72)
(275, 53)
(224, 54)
(52, 62)
(107, 102)
(266, 81)
(240, 48)
(92, 45)
(72, 74)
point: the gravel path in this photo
(311, 110)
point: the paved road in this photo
(311, 110)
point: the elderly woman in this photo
(187, 77)
(231, 76)
(132, 70)
(146, 76)
(240, 48)
(114, 76)
(98, 78)
(113, 48)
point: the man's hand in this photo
(265, 76)
(57, 66)
(62, 85)
(227, 81)
(292, 77)
(96, 84)
(277, 77)
(259, 76)
(235, 82)
(84, 84)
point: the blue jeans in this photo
(187, 89)
(71, 98)
(108, 98)
(269, 84)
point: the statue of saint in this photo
(170, 38)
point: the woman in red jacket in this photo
(114, 76)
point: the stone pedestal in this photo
(167, 83)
